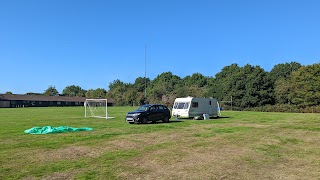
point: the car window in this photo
(160, 107)
(143, 108)
(153, 108)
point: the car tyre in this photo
(144, 120)
(165, 119)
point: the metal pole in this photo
(145, 71)
(85, 108)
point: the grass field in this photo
(242, 145)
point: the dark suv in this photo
(149, 112)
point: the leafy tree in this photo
(280, 76)
(258, 89)
(197, 80)
(140, 83)
(282, 90)
(118, 91)
(8, 92)
(283, 70)
(74, 91)
(249, 86)
(164, 84)
(51, 91)
(305, 86)
(98, 93)
(225, 83)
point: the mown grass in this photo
(241, 145)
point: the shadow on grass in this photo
(222, 117)
(160, 122)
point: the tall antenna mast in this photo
(145, 71)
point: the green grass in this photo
(242, 145)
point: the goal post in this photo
(97, 108)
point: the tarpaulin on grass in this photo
(50, 129)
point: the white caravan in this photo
(190, 107)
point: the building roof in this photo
(23, 97)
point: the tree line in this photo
(286, 86)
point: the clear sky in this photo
(90, 43)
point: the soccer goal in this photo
(97, 108)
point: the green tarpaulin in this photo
(50, 129)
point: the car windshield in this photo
(143, 108)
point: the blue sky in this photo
(90, 43)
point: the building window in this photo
(13, 102)
(58, 103)
(209, 102)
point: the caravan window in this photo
(181, 105)
(195, 104)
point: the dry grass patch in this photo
(60, 176)
(67, 153)
(188, 163)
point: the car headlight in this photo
(136, 114)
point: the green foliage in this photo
(283, 70)
(249, 86)
(305, 86)
(280, 78)
(51, 91)
(74, 91)
(96, 93)
(288, 86)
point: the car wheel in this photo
(144, 120)
(165, 119)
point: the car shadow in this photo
(221, 117)
(160, 122)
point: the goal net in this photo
(97, 108)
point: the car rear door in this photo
(161, 112)
(153, 113)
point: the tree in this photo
(8, 92)
(305, 86)
(249, 86)
(283, 70)
(98, 93)
(74, 91)
(280, 77)
(282, 90)
(51, 91)
(258, 89)
(140, 83)
(225, 83)
(117, 90)
(164, 84)
(197, 80)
